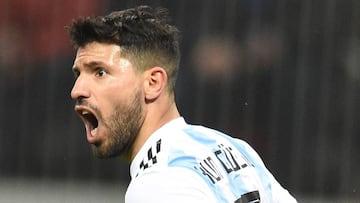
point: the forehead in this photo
(95, 51)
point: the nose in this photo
(80, 89)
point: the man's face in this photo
(108, 98)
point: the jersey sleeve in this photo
(278, 193)
(175, 184)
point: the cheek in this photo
(114, 98)
(118, 92)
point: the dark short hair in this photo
(143, 33)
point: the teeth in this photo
(85, 112)
(94, 132)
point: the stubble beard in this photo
(122, 128)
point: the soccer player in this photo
(126, 67)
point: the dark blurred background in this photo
(284, 75)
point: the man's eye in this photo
(101, 73)
(76, 73)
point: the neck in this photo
(157, 115)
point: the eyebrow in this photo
(90, 65)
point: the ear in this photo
(154, 83)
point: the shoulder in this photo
(172, 184)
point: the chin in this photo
(102, 152)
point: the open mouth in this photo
(91, 122)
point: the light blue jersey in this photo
(187, 163)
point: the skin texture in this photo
(128, 104)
